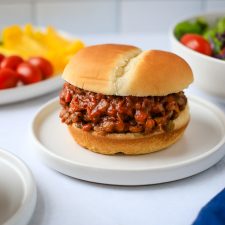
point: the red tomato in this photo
(8, 78)
(43, 64)
(11, 62)
(28, 73)
(1, 57)
(197, 43)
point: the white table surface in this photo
(66, 201)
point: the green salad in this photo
(199, 36)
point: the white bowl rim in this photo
(172, 36)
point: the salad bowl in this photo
(209, 71)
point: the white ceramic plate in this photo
(17, 191)
(30, 91)
(200, 148)
(34, 90)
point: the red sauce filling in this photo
(92, 111)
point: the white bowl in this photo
(209, 72)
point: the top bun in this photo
(123, 70)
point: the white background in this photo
(66, 201)
(103, 16)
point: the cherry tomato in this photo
(43, 64)
(8, 78)
(1, 57)
(28, 73)
(197, 43)
(11, 62)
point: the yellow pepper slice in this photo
(28, 42)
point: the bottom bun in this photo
(129, 143)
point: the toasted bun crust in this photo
(130, 143)
(113, 69)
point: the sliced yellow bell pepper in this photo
(28, 42)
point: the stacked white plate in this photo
(17, 191)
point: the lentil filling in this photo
(104, 114)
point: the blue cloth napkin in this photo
(213, 213)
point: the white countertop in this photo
(66, 201)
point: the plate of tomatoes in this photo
(23, 79)
(31, 60)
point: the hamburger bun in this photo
(125, 70)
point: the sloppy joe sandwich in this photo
(119, 99)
